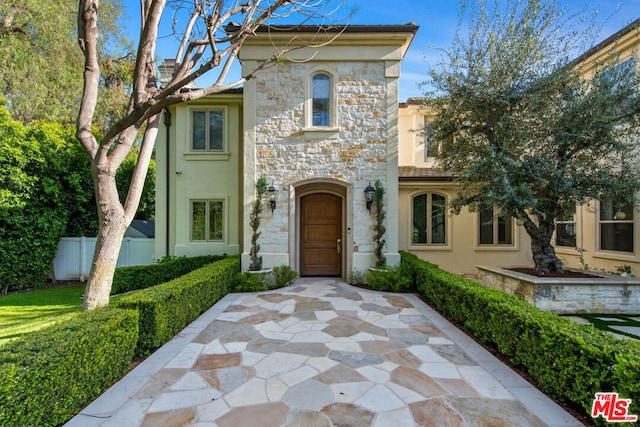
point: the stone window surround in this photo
(332, 130)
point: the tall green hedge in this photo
(49, 376)
(569, 362)
(128, 279)
(168, 308)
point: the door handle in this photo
(339, 245)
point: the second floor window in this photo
(494, 228)
(207, 132)
(321, 100)
(429, 219)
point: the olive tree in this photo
(209, 40)
(522, 131)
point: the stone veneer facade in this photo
(356, 154)
(359, 147)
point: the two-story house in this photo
(321, 125)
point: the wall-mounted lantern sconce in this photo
(369, 194)
(272, 197)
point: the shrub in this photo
(569, 362)
(128, 279)
(391, 279)
(50, 375)
(168, 308)
(283, 274)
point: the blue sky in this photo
(437, 20)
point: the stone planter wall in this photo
(606, 294)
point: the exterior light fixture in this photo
(369, 194)
(272, 197)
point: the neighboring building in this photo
(320, 126)
(427, 228)
(595, 235)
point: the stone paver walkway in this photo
(320, 353)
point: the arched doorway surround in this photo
(321, 215)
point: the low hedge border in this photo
(168, 308)
(50, 375)
(570, 362)
(128, 279)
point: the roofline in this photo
(426, 178)
(401, 28)
(609, 40)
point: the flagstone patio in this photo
(322, 353)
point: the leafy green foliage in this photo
(147, 206)
(128, 279)
(283, 275)
(569, 361)
(254, 222)
(50, 375)
(41, 73)
(522, 131)
(168, 308)
(392, 279)
(379, 228)
(43, 194)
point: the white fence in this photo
(74, 256)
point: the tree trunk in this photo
(113, 225)
(544, 254)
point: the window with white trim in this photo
(566, 227)
(207, 220)
(615, 225)
(429, 219)
(321, 88)
(207, 130)
(494, 229)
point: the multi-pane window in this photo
(430, 146)
(429, 219)
(207, 132)
(566, 227)
(207, 220)
(616, 226)
(494, 228)
(321, 99)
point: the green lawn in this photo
(29, 311)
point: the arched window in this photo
(429, 219)
(321, 100)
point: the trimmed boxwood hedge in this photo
(128, 279)
(50, 375)
(570, 362)
(168, 308)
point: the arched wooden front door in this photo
(320, 235)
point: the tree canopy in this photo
(522, 131)
(41, 67)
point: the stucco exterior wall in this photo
(461, 253)
(199, 176)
